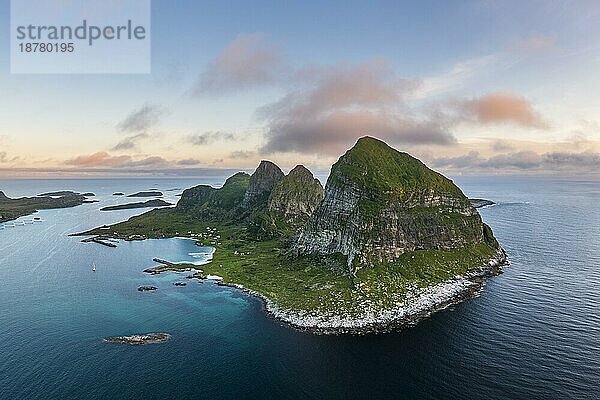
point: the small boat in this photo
(94, 267)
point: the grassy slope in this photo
(309, 284)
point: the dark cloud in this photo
(249, 60)
(522, 161)
(142, 119)
(129, 142)
(243, 154)
(210, 137)
(188, 161)
(154, 161)
(335, 106)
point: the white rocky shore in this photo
(418, 305)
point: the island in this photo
(147, 338)
(11, 209)
(146, 194)
(387, 242)
(145, 204)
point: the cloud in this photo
(460, 73)
(243, 154)
(104, 159)
(154, 161)
(142, 119)
(534, 44)
(248, 61)
(501, 108)
(335, 106)
(210, 137)
(522, 161)
(99, 159)
(129, 142)
(188, 162)
(3, 157)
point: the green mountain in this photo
(387, 241)
(381, 203)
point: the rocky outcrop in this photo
(146, 338)
(207, 202)
(297, 195)
(261, 183)
(479, 203)
(380, 203)
(147, 288)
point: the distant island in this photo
(386, 242)
(146, 194)
(145, 204)
(11, 209)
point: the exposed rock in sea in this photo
(179, 283)
(380, 203)
(146, 338)
(478, 203)
(261, 183)
(146, 194)
(146, 288)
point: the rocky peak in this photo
(204, 197)
(296, 195)
(380, 203)
(262, 182)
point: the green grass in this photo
(311, 284)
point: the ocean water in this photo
(533, 333)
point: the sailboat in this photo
(94, 267)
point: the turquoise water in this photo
(534, 333)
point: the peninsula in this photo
(11, 209)
(386, 242)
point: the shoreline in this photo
(417, 307)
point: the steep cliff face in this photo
(206, 201)
(380, 203)
(297, 195)
(261, 183)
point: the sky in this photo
(469, 87)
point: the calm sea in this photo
(533, 333)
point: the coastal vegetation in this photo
(383, 231)
(11, 209)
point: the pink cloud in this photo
(504, 107)
(99, 159)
